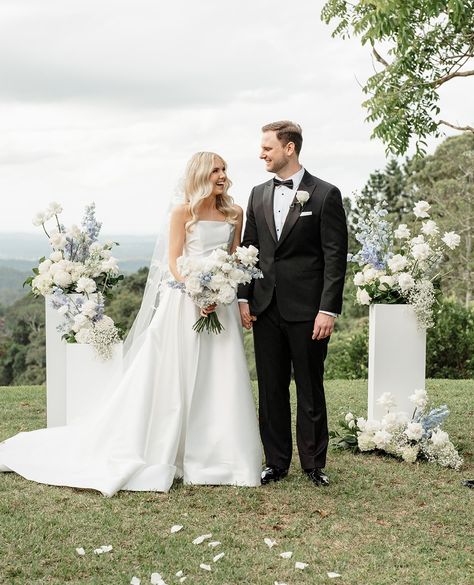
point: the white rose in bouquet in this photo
(226, 295)
(86, 285)
(397, 263)
(429, 228)
(55, 208)
(388, 280)
(43, 283)
(110, 265)
(74, 232)
(80, 322)
(451, 239)
(421, 209)
(405, 281)
(62, 278)
(56, 256)
(39, 219)
(44, 266)
(217, 281)
(414, 431)
(363, 297)
(421, 251)
(248, 256)
(83, 335)
(193, 285)
(409, 453)
(89, 309)
(402, 232)
(58, 241)
(359, 279)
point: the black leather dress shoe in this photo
(270, 474)
(317, 476)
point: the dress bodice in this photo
(207, 235)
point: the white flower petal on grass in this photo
(98, 551)
(279, 583)
(80, 551)
(213, 543)
(176, 528)
(286, 555)
(182, 579)
(179, 574)
(269, 542)
(156, 579)
(299, 565)
(205, 567)
(201, 538)
(135, 581)
(218, 557)
(106, 547)
(333, 575)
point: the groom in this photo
(297, 222)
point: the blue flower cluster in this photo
(205, 278)
(375, 235)
(433, 419)
(90, 224)
(175, 284)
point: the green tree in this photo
(426, 43)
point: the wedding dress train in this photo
(184, 408)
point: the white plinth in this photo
(397, 357)
(55, 369)
(89, 380)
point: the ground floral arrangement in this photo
(79, 274)
(214, 280)
(398, 266)
(418, 438)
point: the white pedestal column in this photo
(55, 369)
(397, 356)
(89, 380)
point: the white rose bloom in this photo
(83, 335)
(386, 400)
(56, 256)
(62, 278)
(429, 228)
(55, 208)
(421, 209)
(349, 416)
(414, 431)
(226, 267)
(370, 273)
(248, 256)
(226, 295)
(74, 232)
(58, 241)
(387, 281)
(419, 398)
(193, 285)
(372, 426)
(217, 281)
(405, 281)
(402, 232)
(421, 251)
(89, 309)
(391, 421)
(397, 263)
(439, 438)
(86, 285)
(451, 239)
(110, 265)
(365, 441)
(351, 424)
(359, 279)
(363, 297)
(237, 276)
(382, 439)
(302, 197)
(361, 423)
(43, 283)
(80, 321)
(44, 266)
(39, 219)
(410, 453)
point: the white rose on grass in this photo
(193, 285)
(365, 441)
(248, 256)
(439, 438)
(83, 335)
(405, 281)
(86, 285)
(363, 297)
(359, 279)
(402, 232)
(44, 266)
(421, 209)
(56, 256)
(429, 228)
(58, 241)
(451, 239)
(62, 278)
(397, 263)
(55, 208)
(414, 431)
(89, 309)
(39, 219)
(419, 398)
(409, 453)
(382, 439)
(421, 251)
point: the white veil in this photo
(157, 277)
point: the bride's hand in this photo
(210, 309)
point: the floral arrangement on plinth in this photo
(79, 274)
(398, 266)
(213, 280)
(420, 437)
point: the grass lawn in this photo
(381, 521)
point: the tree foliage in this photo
(426, 44)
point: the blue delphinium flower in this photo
(433, 419)
(90, 224)
(375, 235)
(205, 278)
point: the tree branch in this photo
(446, 78)
(379, 57)
(461, 128)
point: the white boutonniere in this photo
(302, 197)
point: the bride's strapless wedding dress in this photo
(184, 408)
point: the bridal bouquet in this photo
(213, 280)
(418, 438)
(78, 274)
(398, 266)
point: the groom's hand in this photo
(323, 326)
(245, 316)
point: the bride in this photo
(184, 406)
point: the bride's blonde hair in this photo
(198, 186)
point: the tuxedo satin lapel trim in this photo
(307, 184)
(268, 209)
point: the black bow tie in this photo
(278, 183)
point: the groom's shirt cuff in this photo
(328, 313)
(242, 300)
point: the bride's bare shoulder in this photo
(181, 212)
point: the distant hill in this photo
(19, 252)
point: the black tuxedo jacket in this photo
(307, 265)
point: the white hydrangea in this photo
(361, 423)
(414, 431)
(365, 441)
(382, 438)
(409, 453)
(405, 281)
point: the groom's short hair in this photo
(286, 131)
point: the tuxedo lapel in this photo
(307, 184)
(268, 208)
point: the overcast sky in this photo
(106, 100)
